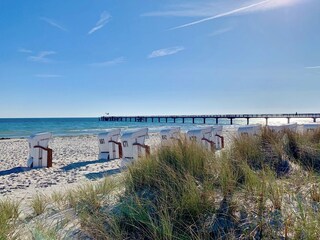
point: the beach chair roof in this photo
(291, 126)
(40, 136)
(109, 133)
(276, 127)
(135, 133)
(249, 128)
(170, 131)
(200, 131)
(217, 128)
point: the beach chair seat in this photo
(217, 136)
(109, 145)
(40, 155)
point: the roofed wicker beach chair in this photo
(203, 136)
(279, 128)
(133, 144)
(169, 135)
(109, 145)
(249, 130)
(40, 155)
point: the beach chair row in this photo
(256, 129)
(130, 145)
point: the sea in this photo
(24, 127)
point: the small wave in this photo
(88, 130)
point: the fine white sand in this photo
(75, 161)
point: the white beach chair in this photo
(275, 128)
(279, 128)
(292, 127)
(167, 135)
(109, 145)
(203, 136)
(250, 130)
(133, 144)
(311, 127)
(39, 153)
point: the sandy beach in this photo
(75, 161)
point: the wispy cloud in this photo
(165, 52)
(104, 19)
(272, 4)
(192, 9)
(53, 23)
(221, 31)
(224, 14)
(47, 76)
(313, 67)
(42, 57)
(109, 63)
(212, 10)
(24, 50)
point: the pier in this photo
(204, 118)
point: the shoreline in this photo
(23, 128)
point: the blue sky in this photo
(88, 57)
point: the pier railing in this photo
(231, 117)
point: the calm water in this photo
(17, 128)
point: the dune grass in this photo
(184, 192)
(9, 214)
(304, 148)
(43, 232)
(249, 191)
(39, 204)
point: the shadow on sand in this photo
(14, 170)
(97, 175)
(81, 164)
